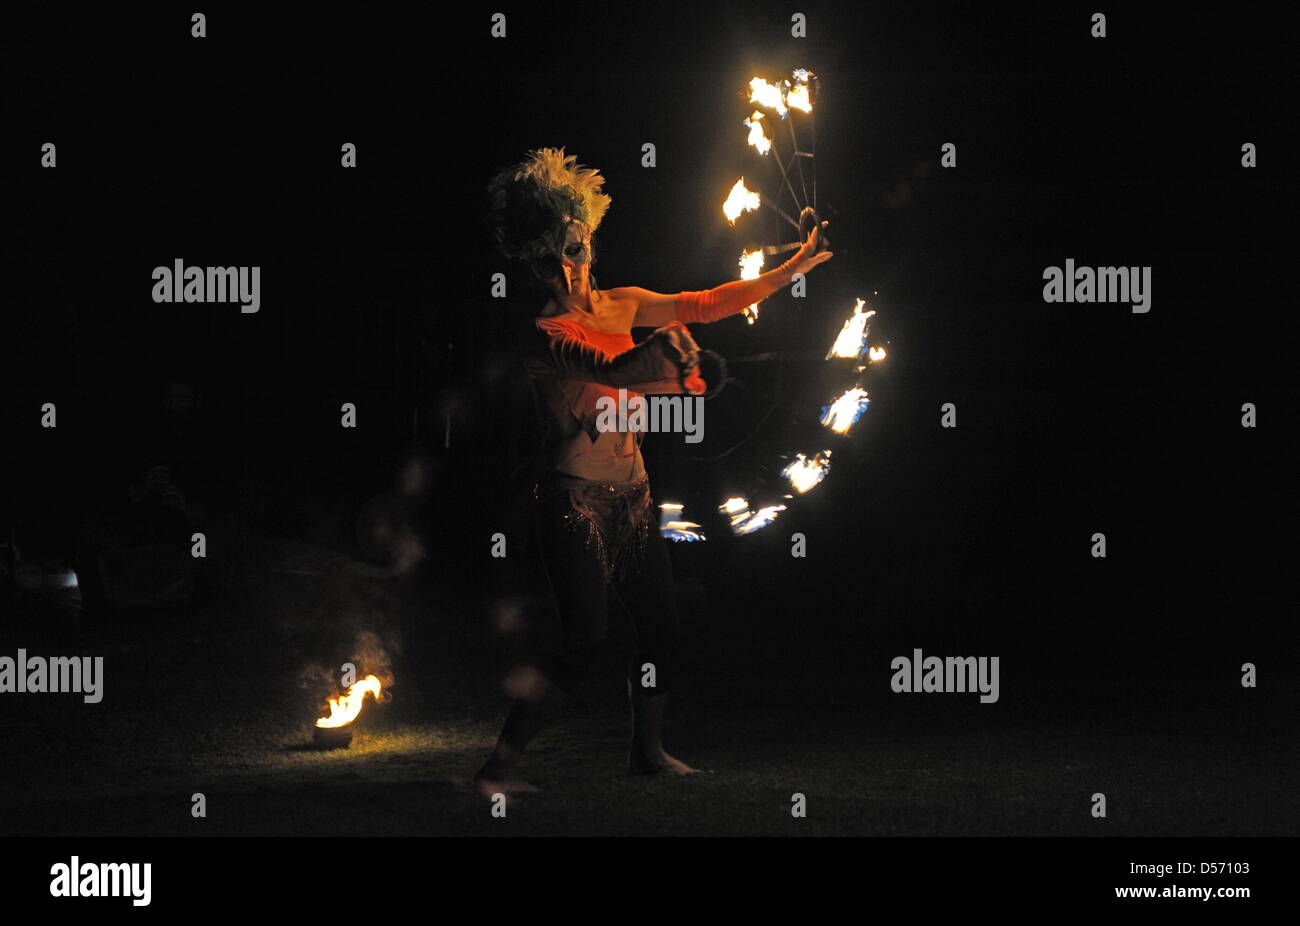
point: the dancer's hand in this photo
(678, 346)
(807, 256)
(684, 354)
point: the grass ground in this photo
(212, 705)
(867, 765)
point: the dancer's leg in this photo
(580, 593)
(648, 596)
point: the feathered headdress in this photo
(532, 204)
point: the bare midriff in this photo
(612, 456)
(578, 449)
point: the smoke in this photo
(373, 655)
(370, 654)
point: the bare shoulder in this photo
(647, 308)
(625, 298)
(556, 325)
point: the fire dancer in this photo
(593, 511)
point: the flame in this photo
(345, 708)
(762, 144)
(797, 98)
(758, 520)
(844, 412)
(739, 200)
(805, 474)
(734, 504)
(751, 265)
(745, 521)
(876, 353)
(769, 95)
(675, 529)
(853, 336)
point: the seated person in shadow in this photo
(134, 551)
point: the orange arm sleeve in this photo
(709, 305)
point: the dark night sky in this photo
(1072, 418)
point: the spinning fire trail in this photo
(782, 100)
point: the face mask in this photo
(576, 256)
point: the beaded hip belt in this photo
(616, 517)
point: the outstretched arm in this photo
(655, 309)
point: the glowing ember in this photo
(674, 529)
(845, 411)
(762, 144)
(739, 200)
(853, 336)
(345, 708)
(751, 265)
(769, 95)
(805, 474)
(876, 353)
(745, 521)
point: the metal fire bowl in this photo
(332, 737)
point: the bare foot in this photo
(660, 764)
(490, 781)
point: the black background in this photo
(1072, 418)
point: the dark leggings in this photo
(582, 596)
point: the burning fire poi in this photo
(739, 200)
(797, 96)
(853, 336)
(805, 474)
(671, 527)
(783, 96)
(751, 266)
(769, 95)
(844, 412)
(746, 521)
(762, 144)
